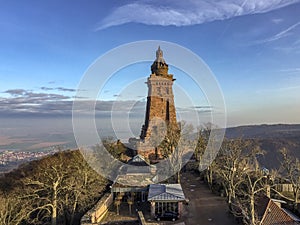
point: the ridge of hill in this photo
(270, 138)
(264, 131)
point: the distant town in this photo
(10, 159)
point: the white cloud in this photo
(189, 12)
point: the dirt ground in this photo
(205, 207)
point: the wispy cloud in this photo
(291, 70)
(292, 48)
(193, 109)
(204, 108)
(47, 88)
(15, 92)
(277, 20)
(278, 89)
(58, 89)
(22, 94)
(189, 12)
(284, 33)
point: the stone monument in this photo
(160, 108)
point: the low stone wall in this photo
(142, 219)
(96, 214)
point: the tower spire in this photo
(159, 55)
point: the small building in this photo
(270, 212)
(165, 198)
(134, 178)
(138, 179)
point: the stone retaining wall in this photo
(96, 214)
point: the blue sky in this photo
(252, 47)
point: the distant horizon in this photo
(25, 140)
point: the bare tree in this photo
(290, 169)
(170, 141)
(231, 167)
(202, 141)
(81, 189)
(183, 150)
(12, 210)
(44, 190)
(206, 150)
(157, 139)
(254, 182)
(255, 186)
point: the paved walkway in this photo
(204, 208)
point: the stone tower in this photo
(160, 108)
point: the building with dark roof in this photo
(139, 177)
(166, 198)
(270, 212)
(135, 177)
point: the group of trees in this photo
(236, 173)
(242, 179)
(57, 189)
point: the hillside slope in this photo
(271, 138)
(60, 187)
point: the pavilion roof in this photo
(165, 192)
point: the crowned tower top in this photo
(159, 66)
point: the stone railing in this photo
(96, 214)
(142, 219)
